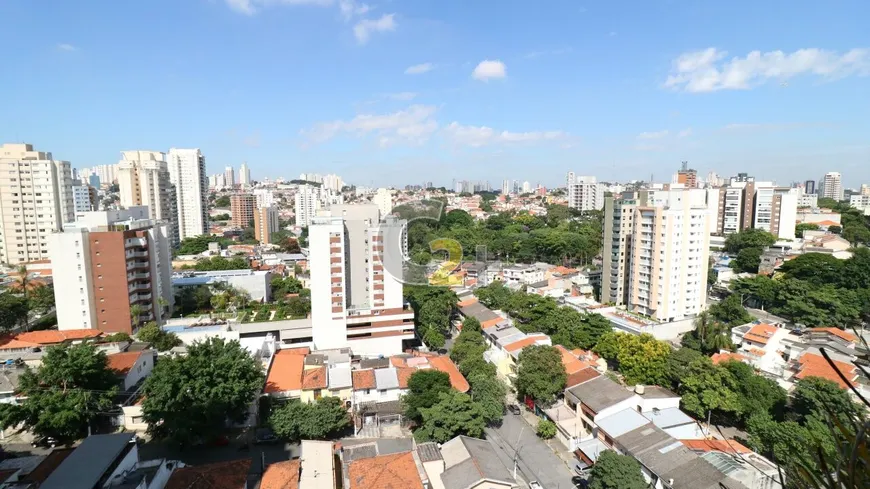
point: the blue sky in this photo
(393, 92)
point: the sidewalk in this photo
(554, 444)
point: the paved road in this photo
(536, 460)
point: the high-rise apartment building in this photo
(265, 197)
(865, 189)
(584, 193)
(657, 252)
(714, 180)
(356, 282)
(229, 177)
(687, 176)
(242, 210)
(109, 265)
(36, 198)
(307, 203)
(244, 175)
(383, 198)
(745, 203)
(266, 222)
(82, 198)
(506, 187)
(187, 174)
(527, 187)
(143, 179)
(107, 174)
(831, 186)
(810, 187)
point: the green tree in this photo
(469, 343)
(316, 421)
(747, 260)
(786, 443)
(608, 346)
(221, 263)
(815, 396)
(116, 337)
(763, 290)
(614, 471)
(458, 218)
(156, 337)
(220, 217)
(136, 312)
(193, 397)
(433, 307)
(816, 268)
(197, 244)
(281, 286)
(643, 359)
(804, 226)
(546, 429)
(749, 238)
(41, 298)
(65, 394)
(708, 387)
(709, 335)
(495, 295)
(540, 373)
(424, 387)
(678, 365)
(223, 201)
(730, 311)
(757, 394)
(454, 414)
(14, 311)
(489, 392)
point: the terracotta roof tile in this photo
(519, 345)
(404, 373)
(760, 333)
(836, 332)
(570, 361)
(727, 446)
(581, 376)
(812, 365)
(396, 471)
(446, 365)
(220, 475)
(286, 372)
(124, 361)
(314, 378)
(363, 379)
(47, 337)
(721, 357)
(281, 475)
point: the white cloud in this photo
(685, 133)
(709, 71)
(412, 125)
(66, 47)
(351, 8)
(487, 69)
(477, 136)
(419, 69)
(250, 7)
(364, 28)
(653, 135)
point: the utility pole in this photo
(517, 451)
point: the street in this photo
(536, 461)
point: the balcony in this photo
(138, 276)
(137, 254)
(137, 264)
(138, 286)
(135, 242)
(134, 298)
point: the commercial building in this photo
(307, 203)
(266, 222)
(384, 200)
(187, 173)
(143, 180)
(831, 186)
(104, 264)
(242, 210)
(584, 193)
(35, 200)
(656, 252)
(244, 175)
(356, 281)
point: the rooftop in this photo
(622, 422)
(668, 417)
(281, 475)
(386, 378)
(89, 462)
(285, 373)
(600, 393)
(47, 337)
(314, 378)
(813, 365)
(760, 333)
(363, 379)
(220, 475)
(396, 471)
(727, 446)
(581, 376)
(844, 335)
(122, 362)
(468, 460)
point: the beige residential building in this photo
(242, 210)
(265, 223)
(36, 199)
(658, 255)
(143, 179)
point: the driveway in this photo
(535, 460)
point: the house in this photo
(284, 380)
(394, 471)
(9, 377)
(131, 366)
(465, 463)
(230, 475)
(763, 345)
(282, 475)
(472, 308)
(812, 364)
(522, 274)
(108, 460)
(42, 339)
(314, 382)
(738, 462)
(506, 343)
(315, 469)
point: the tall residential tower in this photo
(187, 173)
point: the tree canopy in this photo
(614, 471)
(454, 414)
(14, 310)
(315, 421)
(65, 394)
(157, 337)
(642, 359)
(433, 307)
(424, 388)
(540, 373)
(197, 244)
(192, 397)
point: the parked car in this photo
(45, 442)
(579, 482)
(265, 436)
(514, 409)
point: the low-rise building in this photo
(258, 284)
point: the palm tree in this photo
(23, 280)
(135, 311)
(162, 303)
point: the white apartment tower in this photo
(384, 200)
(506, 187)
(81, 198)
(265, 197)
(36, 198)
(143, 179)
(187, 173)
(831, 186)
(104, 264)
(657, 252)
(244, 175)
(307, 203)
(356, 286)
(229, 177)
(584, 193)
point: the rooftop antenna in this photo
(685, 165)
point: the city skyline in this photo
(435, 92)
